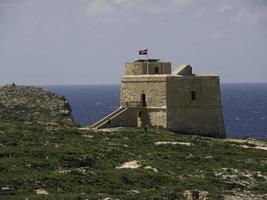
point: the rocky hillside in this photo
(32, 104)
(41, 161)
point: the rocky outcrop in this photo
(32, 104)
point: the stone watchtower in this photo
(179, 101)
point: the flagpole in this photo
(147, 62)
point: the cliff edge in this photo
(32, 104)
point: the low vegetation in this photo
(40, 161)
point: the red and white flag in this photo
(143, 52)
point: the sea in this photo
(244, 105)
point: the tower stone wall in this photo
(194, 105)
(153, 87)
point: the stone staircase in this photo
(104, 121)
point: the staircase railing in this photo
(132, 104)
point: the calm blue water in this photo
(244, 105)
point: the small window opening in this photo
(139, 114)
(156, 70)
(143, 99)
(193, 95)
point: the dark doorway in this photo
(193, 95)
(156, 70)
(143, 99)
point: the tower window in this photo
(143, 99)
(156, 70)
(193, 95)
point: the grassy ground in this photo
(68, 163)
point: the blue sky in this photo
(56, 42)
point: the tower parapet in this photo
(140, 67)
